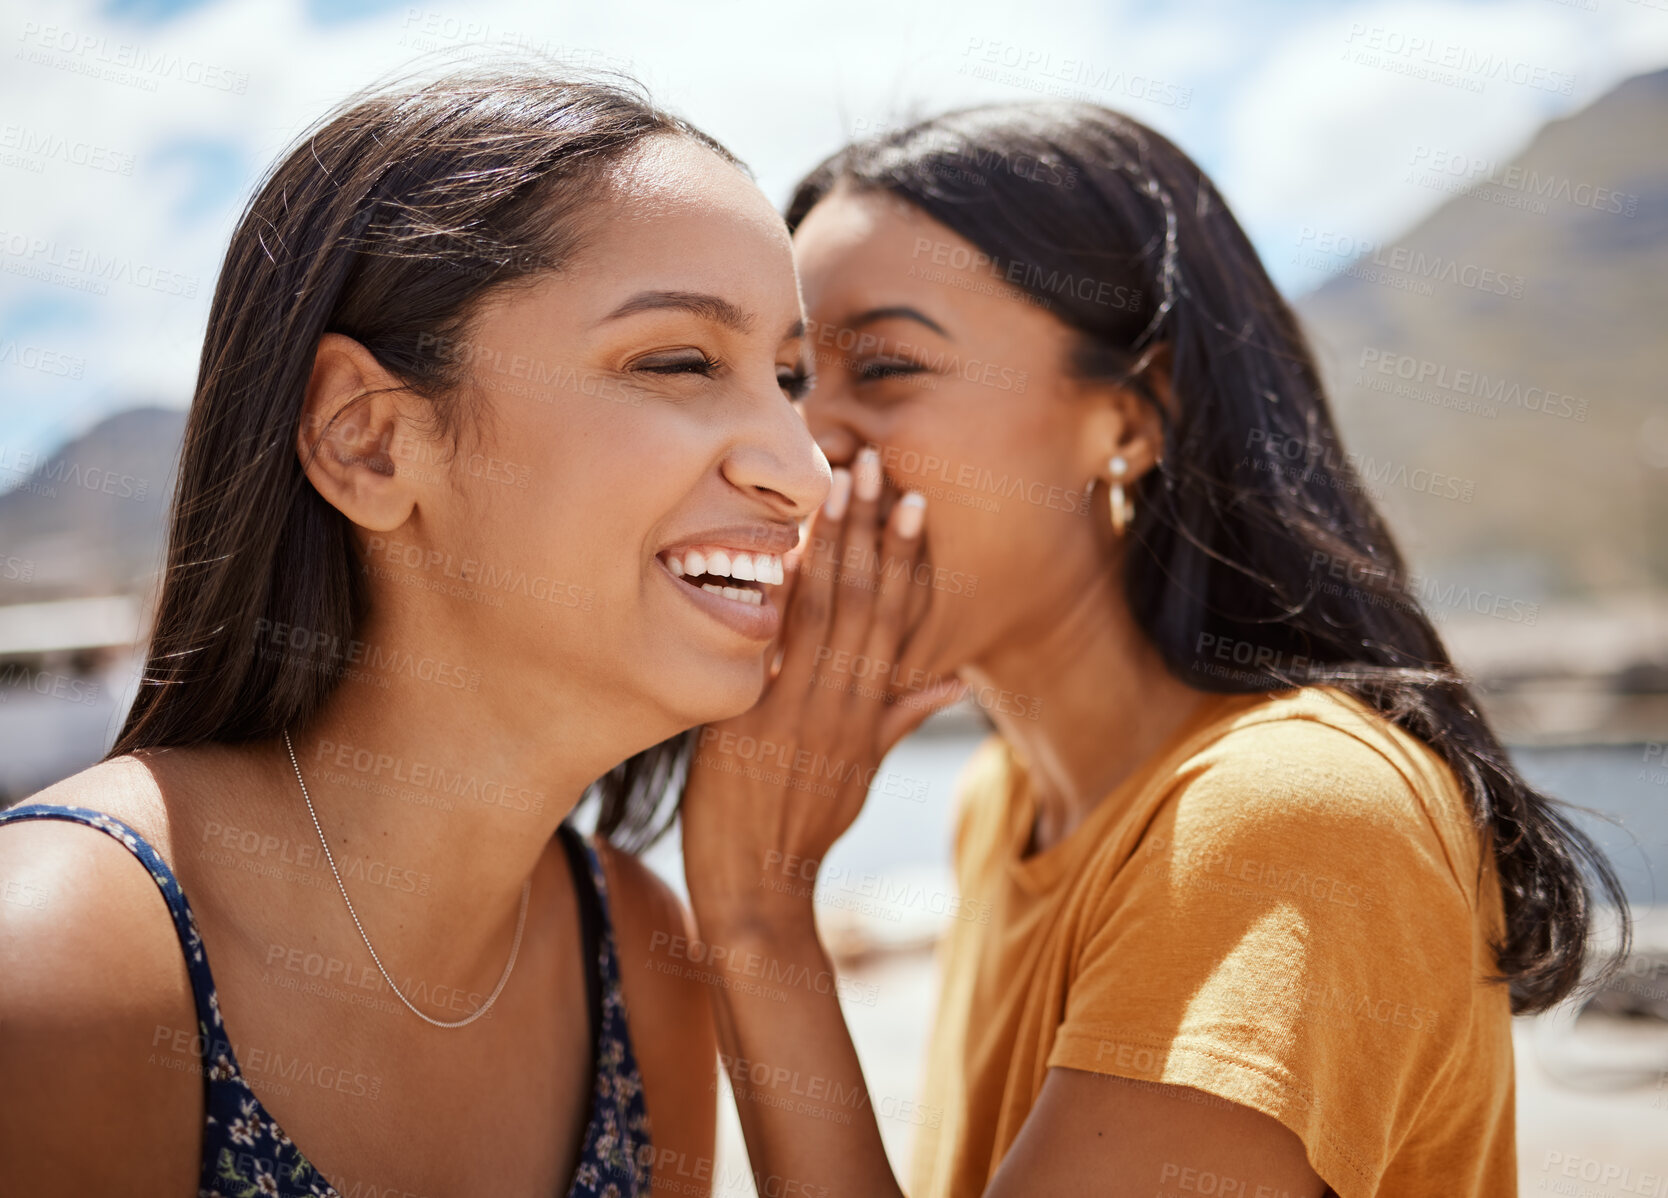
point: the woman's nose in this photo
(783, 464)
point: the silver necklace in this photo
(520, 922)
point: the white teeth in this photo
(739, 594)
(744, 595)
(745, 567)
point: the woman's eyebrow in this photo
(898, 312)
(709, 307)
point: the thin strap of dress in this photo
(590, 921)
(618, 1150)
(214, 1047)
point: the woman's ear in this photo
(354, 424)
(1123, 422)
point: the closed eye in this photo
(686, 363)
(887, 368)
(794, 381)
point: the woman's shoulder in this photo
(643, 907)
(83, 857)
(1318, 772)
(668, 1007)
(1321, 710)
(95, 975)
(986, 779)
(983, 787)
(1323, 745)
(83, 860)
(655, 942)
(82, 909)
(986, 770)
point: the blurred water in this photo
(1626, 785)
(905, 829)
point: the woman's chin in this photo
(719, 691)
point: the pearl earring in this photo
(1122, 506)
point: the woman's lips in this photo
(755, 618)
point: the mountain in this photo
(1497, 369)
(1516, 341)
(91, 519)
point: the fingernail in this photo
(912, 511)
(839, 494)
(868, 474)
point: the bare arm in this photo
(1088, 1133)
(1093, 1134)
(799, 1089)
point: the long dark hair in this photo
(390, 221)
(1255, 529)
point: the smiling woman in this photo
(1263, 888)
(488, 477)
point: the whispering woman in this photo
(490, 467)
(1252, 890)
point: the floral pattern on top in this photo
(247, 1155)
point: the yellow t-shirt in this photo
(1287, 906)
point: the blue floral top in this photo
(246, 1153)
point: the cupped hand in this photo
(773, 788)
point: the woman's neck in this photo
(438, 801)
(1103, 701)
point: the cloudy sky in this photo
(133, 131)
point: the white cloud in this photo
(1293, 132)
(1324, 131)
